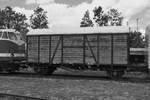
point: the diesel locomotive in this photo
(12, 50)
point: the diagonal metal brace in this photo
(91, 49)
(55, 50)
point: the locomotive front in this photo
(12, 49)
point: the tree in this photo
(7, 18)
(39, 20)
(10, 19)
(115, 17)
(86, 21)
(112, 18)
(20, 24)
(100, 18)
(2, 17)
(105, 20)
(136, 40)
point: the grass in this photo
(74, 89)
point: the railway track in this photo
(78, 77)
(4, 96)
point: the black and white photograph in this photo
(74, 49)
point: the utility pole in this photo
(137, 24)
(36, 1)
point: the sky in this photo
(68, 13)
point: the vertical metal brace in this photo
(38, 49)
(62, 46)
(97, 50)
(112, 50)
(26, 51)
(50, 50)
(84, 49)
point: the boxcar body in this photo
(98, 48)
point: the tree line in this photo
(111, 18)
(10, 19)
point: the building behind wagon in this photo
(147, 38)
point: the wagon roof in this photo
(80, 30)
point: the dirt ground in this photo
(75, 89)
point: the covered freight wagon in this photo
(89, 48)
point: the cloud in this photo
(39, 1)
(143, 16)
(66, 15)
(63, 15)
(24, 11)
(131, 7)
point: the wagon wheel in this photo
(41, 69)
(13, 68)
(10, 71)
(110, 73)
(51, 69)
(120, 73)
(115, 73)
(37, 70)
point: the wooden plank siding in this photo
(44, 49)
(32, 49)
(73, 49)
(120, 49)
(105, 48)
(91, 49)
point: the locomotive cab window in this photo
(19, 36)
(5, 35)
(12, 36)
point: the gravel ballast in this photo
(74, 89)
